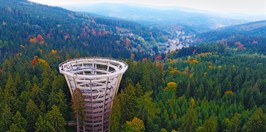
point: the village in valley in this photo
(178, 40)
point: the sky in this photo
(219, 6)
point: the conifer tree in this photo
(78, 107)
(147, 108)
(32, 114)
(190, 118)
(209, 125)
(128, 100)
(43, 125)
(115, 115)
(257, 122)
(6, 118)
(56, 119)
(19, 123)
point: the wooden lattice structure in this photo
(98, 79)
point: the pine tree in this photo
(78, 107)
(32, 113)
(10, 85)
(35, 91)
(235, 121)
(209, 125)
(43, 125)
(6, 118)
(166, 123)
(146, 79)
(15, 128)
(257, 122)
(128, 101)
(115, 115)
(58, 98)
(146, 107)
(18, 82)
(190, 118)
(10, 93)
(19, 123)
(56, 119)
(45, 88)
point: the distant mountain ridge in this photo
(253, 25)
(252, 29)
(199, 20)
(250, 36)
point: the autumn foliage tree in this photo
(33, 40)
(127, 42)
(34, 60)
(136, 125)
(40, 39)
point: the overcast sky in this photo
(221, 6)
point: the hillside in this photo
(257, 28)
(250, 35)
(260, 25)
(63, 30)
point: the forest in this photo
(207, 91)
(206, 88)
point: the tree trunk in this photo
(77, 123)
